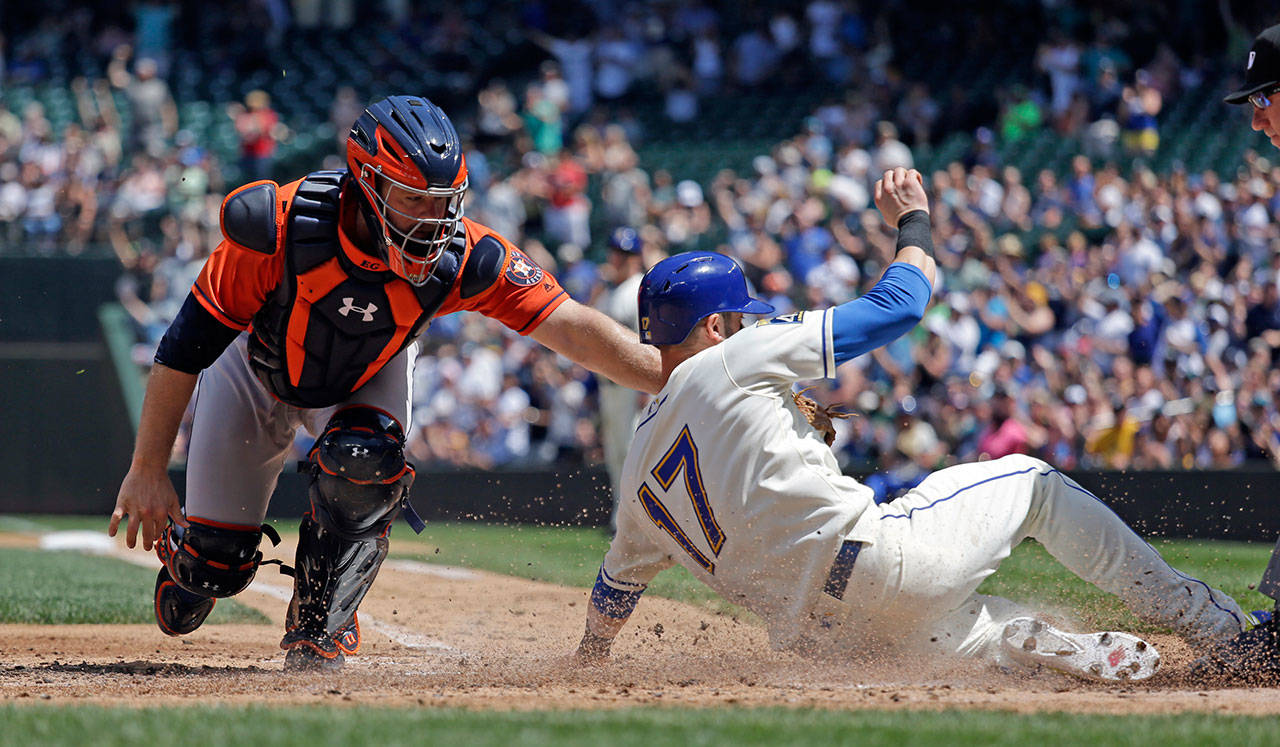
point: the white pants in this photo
(926, 553)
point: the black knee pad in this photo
(359, 473)
(210, 559)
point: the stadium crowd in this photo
(1109, 317)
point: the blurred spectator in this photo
(574, 54)
(153, 112)
(347, 108)
(1105, 93)
(681, 102)
(889, 152)
(619, 405)
(1139, 106)
(918, 113)
(1059, 58)
(617, 61)
(754, 58)
(259, 129)
(497, 120)
(1021, 115)
(568, 210)
(543, 121)
(708, 62)
(554, 87)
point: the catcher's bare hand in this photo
(899, 192)
(147, 497)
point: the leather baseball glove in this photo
(819, 416)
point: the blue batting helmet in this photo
(680, 291)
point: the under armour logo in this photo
(349, 306)
(359, 451)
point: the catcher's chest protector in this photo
(331, 325)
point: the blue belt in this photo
(838, 578)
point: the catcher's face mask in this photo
(418, 224)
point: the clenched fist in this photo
(899, 192)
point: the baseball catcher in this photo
(306, 315)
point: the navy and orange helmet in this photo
(404, 150)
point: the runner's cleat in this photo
(1100, 657)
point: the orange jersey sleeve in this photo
(522, 296)
(236, 282)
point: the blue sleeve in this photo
(893, 307)
(613, 602)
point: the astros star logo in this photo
(522, 270)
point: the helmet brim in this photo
(755, 306)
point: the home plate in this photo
(79, 540)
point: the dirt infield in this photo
(438, 636)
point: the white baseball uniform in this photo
(727, 478)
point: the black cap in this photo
(1262, 71)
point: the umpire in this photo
(1255, 654)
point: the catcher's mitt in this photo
(819, 416)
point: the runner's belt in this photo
(838, 577)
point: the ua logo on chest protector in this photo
(348, 306)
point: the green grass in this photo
(647, 727)
(59, 588)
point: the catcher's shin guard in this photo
(331, 577)
(359, 480)
(205, 561)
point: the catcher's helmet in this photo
(407, 143)
(680, 291)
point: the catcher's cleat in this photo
(1252, 657)
(320, 652)
(305, 658)
(1100, 657)
(179, 611)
